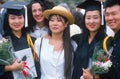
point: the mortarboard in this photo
(90, 5)
(16, 8)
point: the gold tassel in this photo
(30, 43)
(105, 44)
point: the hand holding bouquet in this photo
(100, 62)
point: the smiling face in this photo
(112, 17)
(16, 23)
(57, 24)
(37, 12)
(92, 20)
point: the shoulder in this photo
(78, 37)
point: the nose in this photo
(91, 20)
(38, 12)
(55, 22)
(110, 17)
(16, 20)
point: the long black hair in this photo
(68, 49)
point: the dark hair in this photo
(2, 1)
(110, 3)
(31, 20)
(6, 26)
(59, 17)
(48, 4)
(68, 49)
(101, 30)
(45, 4)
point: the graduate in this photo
(112, 18)
(93, 33)
(14, 26)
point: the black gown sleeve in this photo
(2, 69)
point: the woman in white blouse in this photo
(55, 51)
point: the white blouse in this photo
(52, 62)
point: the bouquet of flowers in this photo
(6, 56)
(101, 62)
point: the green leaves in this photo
(5, 52)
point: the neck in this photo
(57, 36)
(17, 33)
(57, 42)
(91, 37)
(40, 25)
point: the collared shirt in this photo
(109, 31)
(39, 32)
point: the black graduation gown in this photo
(18, 44)
(83, 53)
(114, 72)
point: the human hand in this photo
(87, 74)
(17, 65)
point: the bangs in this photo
(59, 18)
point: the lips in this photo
(16, 26)
(54, 28)
(91, 26)
(111, 23)
(39, 17)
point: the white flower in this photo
(1, 41)
(107, 64)
(100, 67)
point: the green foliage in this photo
(3, 48)
(101, 63)
(5, 53)
(99, 54)
(71, 3)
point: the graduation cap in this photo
(16, 8)
(90, 5)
